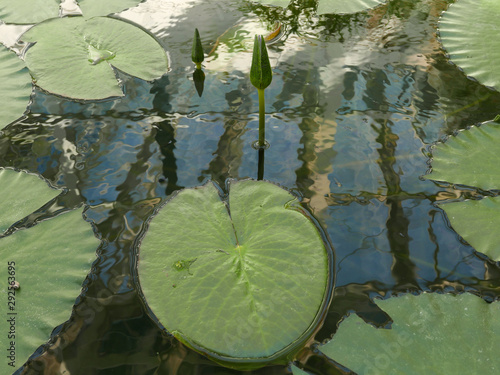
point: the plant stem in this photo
(262, 118)
(260, 164)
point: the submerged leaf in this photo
(432, 334)
(28, 11)
(243, 280)
(22, 193)
(468, 31)
(15, 87)
(73, 57)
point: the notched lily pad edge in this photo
(284, 356)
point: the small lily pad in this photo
(16, 87)
(28, 11)
(42, 271)
(240, 280)
(22, 193)
(432, 334)
(468, 31)
(74, 57)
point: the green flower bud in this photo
(197, 54)
(261, 73)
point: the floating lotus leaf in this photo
(49, 262)
(468, 31)
(477, 221)
(431, 334)
(74, 57)
(471, 158)
(15, 89)
(92, 8)
(28, 11)
(333, 6)
(22, 193)
(242, 280)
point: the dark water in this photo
(354, 105)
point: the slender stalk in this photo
(260, 165)
(262, 118)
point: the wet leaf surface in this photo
(232, 273)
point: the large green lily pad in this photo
(471, 158)
(333, 6)
(21, 193)
(50, 262)
(28, 11)
(242, 280)
(431, 334)
(468, 31)
(74, 57)
(16, 87)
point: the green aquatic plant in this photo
(76, 57)
(43, 267)
(451, 332)
(470, 158)
(16, 87)
(197, 54)
(476, 49)
(232, 268)
(261, 76)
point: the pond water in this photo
(355, 103)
